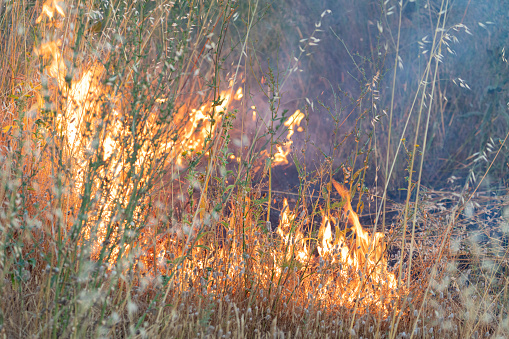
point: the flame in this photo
(293, 124)
(49, 8)
(198, 126)
(254, 112)
(360, 263)
(57, 67)
(85, 97)
(238, 94)
(291, 234)
(366, 252)
(359, 260)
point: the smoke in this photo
(353, 52)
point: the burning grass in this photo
(125, 212)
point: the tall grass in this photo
(126, 213)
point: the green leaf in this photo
(297, 164)
(261, 201)
(200, 235)
(356, 174)
(338, 204)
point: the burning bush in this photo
(140, 194)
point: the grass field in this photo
(228, 169)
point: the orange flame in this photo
(293, 124)
(49, 8)
(292, 238)
(360, 262)
(84, 98)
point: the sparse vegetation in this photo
(198, 169)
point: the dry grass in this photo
(142, 224)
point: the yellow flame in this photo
(84, 97)
(364, 257)
(365, 253)
(238, 94)
(49, 8)
(293, 238)
(280, 158)
(56, 69)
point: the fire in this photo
(198, 127)
(360, 262)
(355, 259)
(293, 124)
(292, 236)
(49, 8)
(86, 97)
